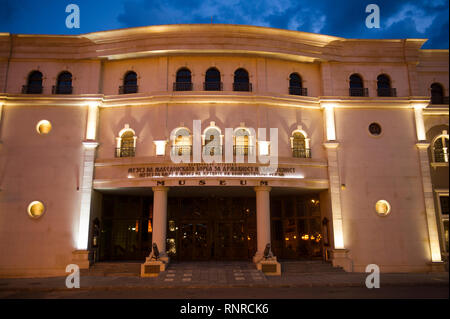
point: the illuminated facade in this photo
(91, 127)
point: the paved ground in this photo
(229, 280)
(389, 292)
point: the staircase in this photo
(304, 267)
(114, 269)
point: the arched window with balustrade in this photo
(212, 80)
(242, 81)
(126, 142)
(34, 83)
(300, 144)
(357, 86)
(130, 84)
(63, 83)
(183, 80)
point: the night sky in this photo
(344, 18)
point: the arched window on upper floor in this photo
(183, 80)
(63, 83)
(126, 142)
(34, 83)
(181, 141)
(440, 148)
(296, 85)
(242, 81)
(357, 86)
(300, 144)
(244, 141)
(384, 86)
(212, 139)
(130, 84)
(437, 94)
(212, 80)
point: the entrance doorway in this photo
(211, 228)
(126, 227)
(297, 228)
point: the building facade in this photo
(112, 141)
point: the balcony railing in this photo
(212, 86)
(439, 100)
(212, 150)
(242, 86)
(387, 92)
(32, 89)
(440, 156)
(62, 89)
(125, 152)
(359, 92)
(181, 150)
(294, 90)
(182, 86)
(243, 150)
(301, 153)
(128, 89)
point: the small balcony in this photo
(443, 100)
(212, 150)
(32, 89)
(62, 89)
(440, 156)
(386, 92)
(181, 150)
(125, 152)
(301, 153)
(359, 92)
(295, 90)
(242, 86)
(182, 86)
(128, 89)
(212, 86)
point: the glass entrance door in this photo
(193, 241)
(212, 228)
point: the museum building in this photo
(112, 141)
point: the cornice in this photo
(202, 98)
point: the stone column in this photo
(81, 254)
(262, 220)
(339, 255)
(160, 219)
(430, 210)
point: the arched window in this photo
(295, 85)
(183, 81)
(182, 142)
(242, 141)
(63, 83)
(212, 80)
(212, 140)
(129, 83)
(384, 86)
(437, 93)
(241, 81)
(357, 86)
(126, 142)
(34, 83)
(440, 148)
(300, 144)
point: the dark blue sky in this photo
(345, 18)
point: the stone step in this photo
(126, 269)
(309, 267)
